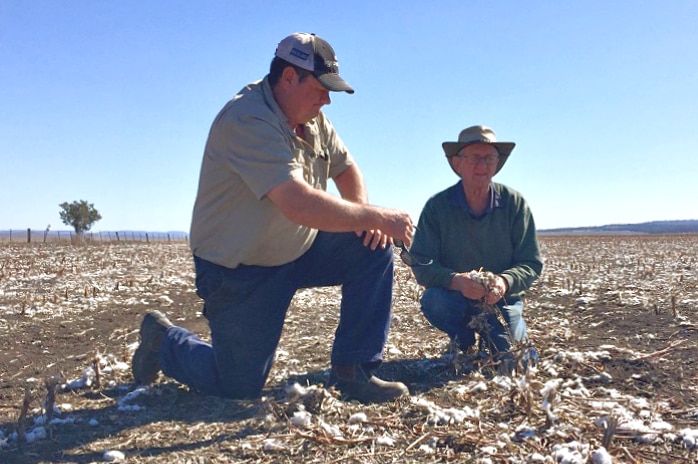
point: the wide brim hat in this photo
(478, 134)
(310, 52)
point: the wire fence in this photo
(52, 236)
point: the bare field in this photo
(614, 319)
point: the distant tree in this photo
(80, 215)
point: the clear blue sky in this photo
(111, 101)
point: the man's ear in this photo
(289, 75)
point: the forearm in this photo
(351, 186)
(320, 210)
(521, 277)
(323, 211)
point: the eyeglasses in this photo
(407, 257)
(489, 160)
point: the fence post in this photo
(29, 235)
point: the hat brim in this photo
(333, 82)
(503, 148)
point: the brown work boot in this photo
(356, 383)
(146, 359)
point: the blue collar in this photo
(458, 198)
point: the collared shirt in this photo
(458, 197)
(250, 150)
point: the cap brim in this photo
(334, 83)
(452, 148)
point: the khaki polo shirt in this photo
(251, 149)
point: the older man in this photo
(480, 239)
(264, 226)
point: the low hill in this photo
(654, 227)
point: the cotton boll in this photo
(63, 407)
(74, 384)
(503, 381)
(331, 430)
(479, 387)
(134, 394)
(272, 445)
(661, 425)
(295, 390)
(121, 366)
(88, 376)
(471, 413)
(603, 377)
(394, 351)
(165, 300)
(426, 449)
(357, 418)
(570, 453)
(550, 387)
(460, 390)
(536, 458)
(301, 419)
(37, 433)
(690, 438)
(547, 408)
(634, 425)
(113, 456)
(601, 456)
(640, 403)
(454, 415)
(549, 368)
(385, 441)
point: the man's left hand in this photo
(497, 290)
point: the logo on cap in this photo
(299, 53)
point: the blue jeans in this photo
(450, 312)
(246, 307)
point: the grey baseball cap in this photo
(310, 52)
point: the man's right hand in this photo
(399, 225)
(468, 287)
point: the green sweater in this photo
(503, 240)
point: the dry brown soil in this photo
(632, 297)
